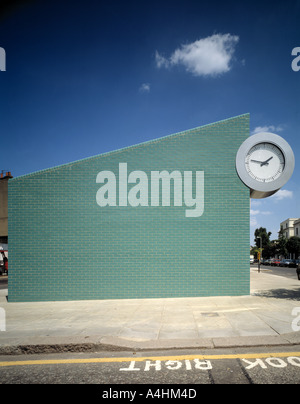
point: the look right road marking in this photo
(292, 356)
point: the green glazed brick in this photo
(65, 246)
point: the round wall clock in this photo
(264, 163)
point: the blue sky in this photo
(87, 77)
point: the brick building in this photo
(165, 218)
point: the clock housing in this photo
(264, 163)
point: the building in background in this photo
(297, 227)
(290, 227)
(4, 177)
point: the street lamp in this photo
(259, 257)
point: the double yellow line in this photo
(152, 358)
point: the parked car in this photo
(294, 263)
(263, 262)
(275, 262)
(285, 263)
(288, 263)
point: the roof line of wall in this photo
(125, 148)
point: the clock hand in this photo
(266, 162)
(256, 161)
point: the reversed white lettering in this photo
(130, 368)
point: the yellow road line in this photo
(153, 358)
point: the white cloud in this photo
(161, 61)
(209, 56)
(145, 88)
(260, 212)
(253, 221)
(255, 202)
(282, 194)
(270, 128)
(254, 213)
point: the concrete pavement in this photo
(268, 316)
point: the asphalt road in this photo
(181, 370)
(280, 271)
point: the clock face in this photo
(265, 162)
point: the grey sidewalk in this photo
(263, 318)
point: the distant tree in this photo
(281, 244)
(293, 246)
(262, 239)
(270, 250)
(265, 236)
(254, 251)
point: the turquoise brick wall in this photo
(64, 246)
